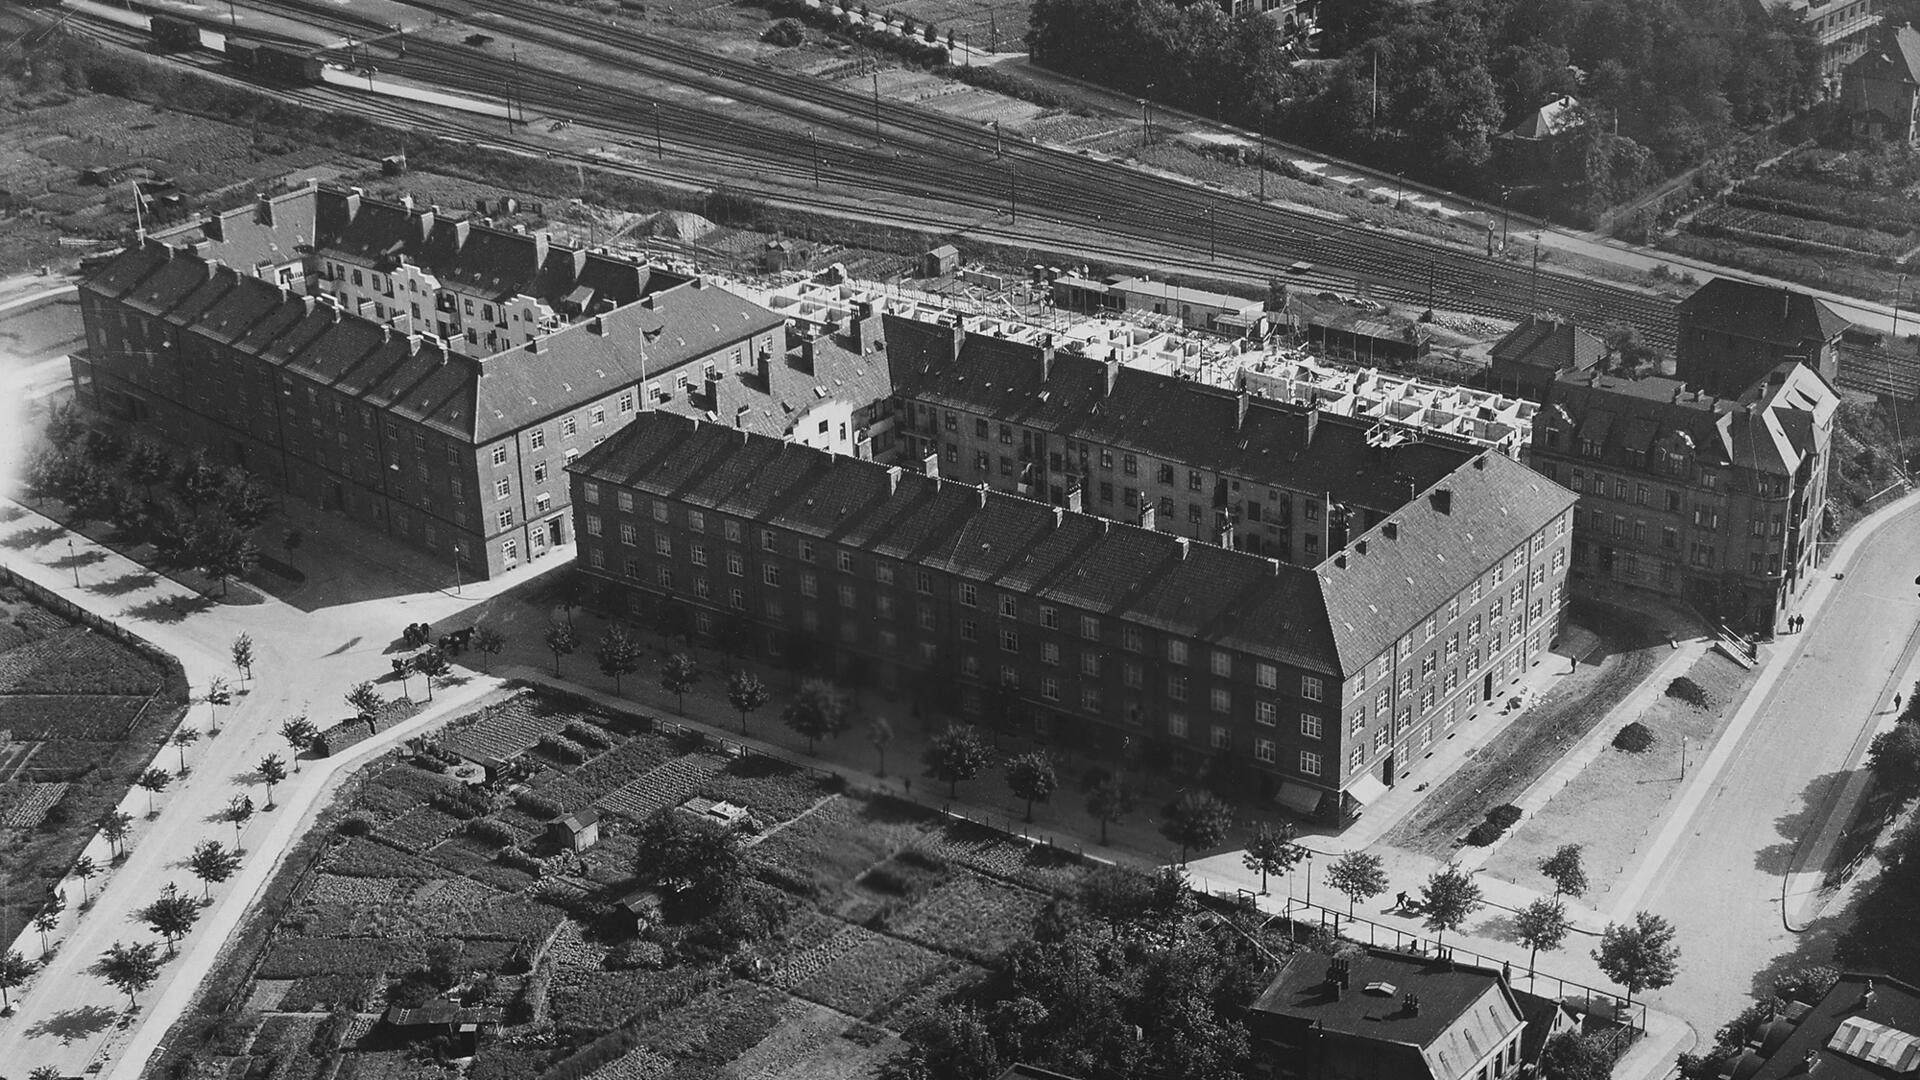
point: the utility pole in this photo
(659, 147)
(813, 144)
(1504, 192)
(1376, 87)
(1212, 251)
(999, 149)
(1533, 285)
(1898, 290)
(876, 105)
(233, 20)
(1013, 193)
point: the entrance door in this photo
(554, 533)
(1386, 770)
(1486, 686)
(336, 496)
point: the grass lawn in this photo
(1620, 799)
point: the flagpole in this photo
(139, 219)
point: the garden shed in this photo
(576, 832)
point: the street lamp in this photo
(73, 560)
(456, 568)
(1309, 875)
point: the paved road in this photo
(306, 660)
(1722, 882)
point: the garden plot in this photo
(668, 785)
(857, 971)
(972, 917)
(419, 829)
(831, 846)
(812, 1040)
(24, 806)
(773, 790)
(75, 661)
(362, 857)
(508, 729)
(86, 717)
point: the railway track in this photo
(931, 155)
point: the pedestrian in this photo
(1400, 901)
(1896, 703)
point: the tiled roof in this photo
(1174, 420)
(1450, 1030)
(1897, 50)
(1768, 312)
(1426, 553)
(1549, 343)
(998, 539)
(773, 403)
(1770, 429)
(1895, 1005)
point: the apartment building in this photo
(1719, 502)
(1318, 685)
(1207, 463)
(246, 336)
(1733, 333)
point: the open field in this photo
(862, 913)
(80, 716)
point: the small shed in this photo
(644, 904)
(940, 262)
(724, 814)
(577, 831)
(461, 1024)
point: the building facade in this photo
(1717, 502)
(1539, 350)
(1319, 685)
(1880, 90)
(445, 443)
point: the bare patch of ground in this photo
(1620, 799)
(1503, 768)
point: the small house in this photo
(940, 262)
(576, 832)
(462, 1025)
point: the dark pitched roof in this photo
(1895, 1005)
(1449, 1032)
(1414, 561)
(1896, 53)
(998, 539)
(1769, 429)
(771, 403)
(1553, 344)
(1768, 312)
(1175, 420)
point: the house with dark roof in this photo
(1316, 685)
(428, 376)
(1174, 455)
(1382, 1015)
(1719, 502)
(1880, 89)
(1732, 333)
(1539, 350)
(1866, 1027)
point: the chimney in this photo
(214, 266)
(579, 263)
(1059, 517)
(806, 354)
(406, 201)
(263, 210)
(931, 464)
(1813, 1061)
(307, 302)
(413, 344)
(214, 228)
(386, 333)
(1313, 423)
(354, 196)
(541, 241)
(1186, 546)
(460, 230)
(1046, 357)
(865, 332)
(424, 223)
(1866, 996)
(983, 495)
(1443, 500)
(1241, 401)
(1412, 1004)
(893, 479)
(1148, 513)
(1076, 500)
(1390, 530)
(1113, 376)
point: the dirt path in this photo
(1504, 767)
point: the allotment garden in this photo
(550, 889)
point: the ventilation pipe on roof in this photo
(386, 333)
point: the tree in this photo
(84, 868)
(365, 701)
(290, 542)
(146, 464)
(1571, 1055)
(950, 1042)
(490, 644)
(212, 863)
(956, 754)
(222, 551)
(243, 655)
(300, 735)
(153, 781)
(746, 693)
(239, 811)
(46, 923)
(701, 862)
(129, 968)
(1030, 776)
(219, 692)
(561, 641)
(1640, 955)
(1359, 874)
(618, 654)
(1563, 868)
(818, 711)
(879, 735)
(182, 739)
(245, 501)
(1894, 758)
(172, 916)
(1197, 820)
(114, 826)
(1540, 925)
(1109, 800)
(14, 970)
(1448, 898)
(431, 663)
(679, 674)
(1272, 851)
(272, 771)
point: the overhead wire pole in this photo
(876, 104)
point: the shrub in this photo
(637, 954)
(354, 824)
(490, 830)
(561, 748)
(1686, 690)
(786, 34)
(1506, 815)
(538, 806)
(1497, 822)
(520, 859)
(460, 801)
(1635, 738)
(586, 734)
